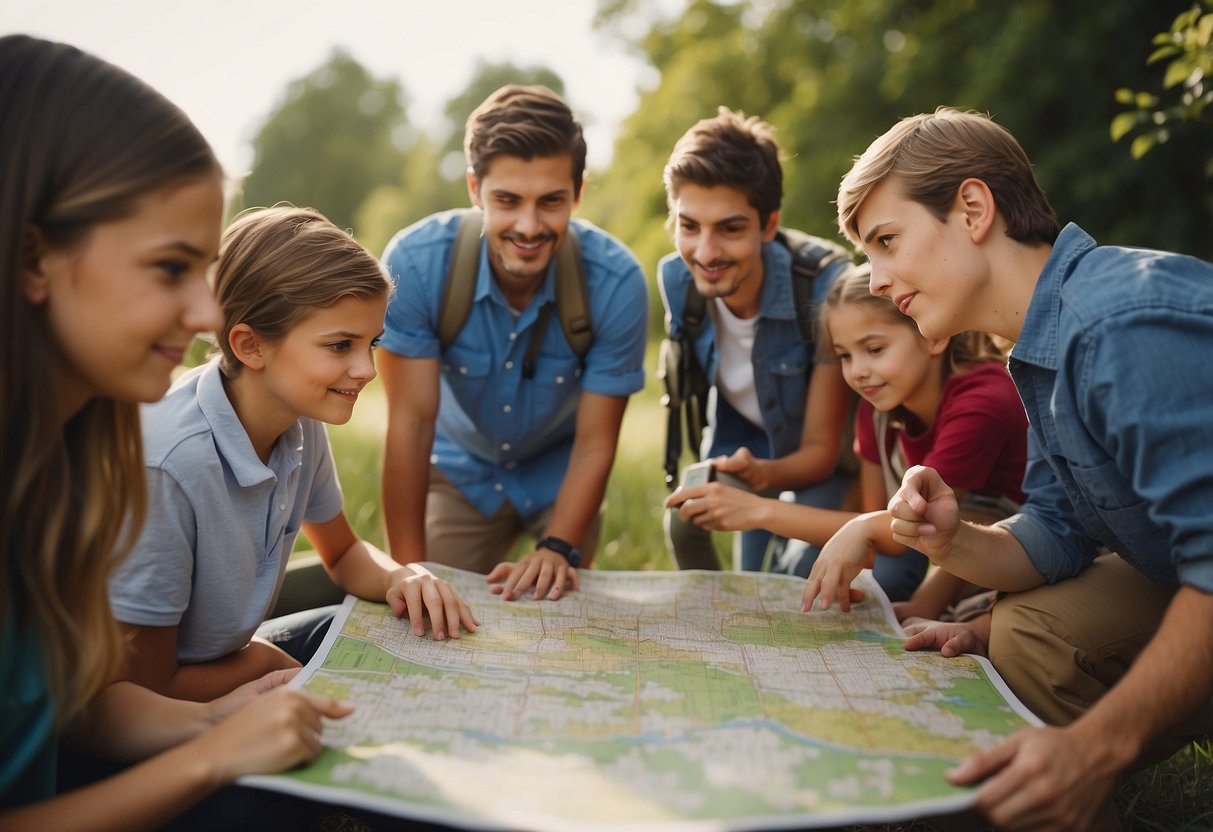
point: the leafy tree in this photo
(1188, 45)
(329, 142)
(831, 75)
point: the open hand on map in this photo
(417, 592)
(549, 572)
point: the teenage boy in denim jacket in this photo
(776, 417)
(1111, 363)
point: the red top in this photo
(979, 441)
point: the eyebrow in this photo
(343, 334)
(721, 221)
(875, 229)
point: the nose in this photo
(202, 312)
(879, 283)
(363, 366)
(527, 222)
(707, 248)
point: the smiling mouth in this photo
(349, 394)
(173, 354)
(903, 301)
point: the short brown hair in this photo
(932, 153)
(277, 265)
(729, 150)
(526, 122)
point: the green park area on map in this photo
(647, 699)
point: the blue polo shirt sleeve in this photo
(619, 313)
(152, 587)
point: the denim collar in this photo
(1037, 342)
(777, 298)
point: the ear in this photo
(771, 228)
(975, 202)
(246, 346)
(474, 188)
(35, 266)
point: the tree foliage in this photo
(329, 142)
(831, 75)
(1187, 47)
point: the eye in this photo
(174, 270)
(687, 227)
(553, 201)
(875, 350)
(884, 240)
(339, 346)
(733, 229)
(842, 356)
(375, 342)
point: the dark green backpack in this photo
(572, 299)
(686, 383)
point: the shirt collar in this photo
(777, 300)
(232, 439)
(1038, 337)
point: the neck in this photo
(923, 405)
(262, 424)
(1013, 281)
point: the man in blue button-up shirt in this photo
(1108, 625)
(477, 453)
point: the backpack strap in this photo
(572, 299)
(460, 278)
(811, 257)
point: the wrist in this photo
(561, 547)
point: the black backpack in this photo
(686, 384)
(571, 296)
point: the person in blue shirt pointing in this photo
(493, 436)
(1107, 628)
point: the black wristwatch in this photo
(562, 547)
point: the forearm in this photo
(989, 556)
(406, 482)
(805, 466)
(1169, 680)
(142, 797)
(207, 680)
(365, 570)
(808, 523)
(128, 722)
(580, 495)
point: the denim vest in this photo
(782, 364)
(1113, 366)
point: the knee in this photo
(1041, 666)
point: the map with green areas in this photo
(648, 701)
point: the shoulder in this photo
(602, 254)
(985, 389)
(175, 423)
(1117, 282)
(430, 236)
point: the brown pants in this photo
(1061, 647)
(457, 534)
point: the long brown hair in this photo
(80, 141)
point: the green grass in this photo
(1176, 795)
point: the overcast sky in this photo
(226, 62)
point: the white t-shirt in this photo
(735, 370)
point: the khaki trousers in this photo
(457, 534)
(1063, 646)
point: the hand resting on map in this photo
(950, 638)
(549, 572)
(416, 591)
